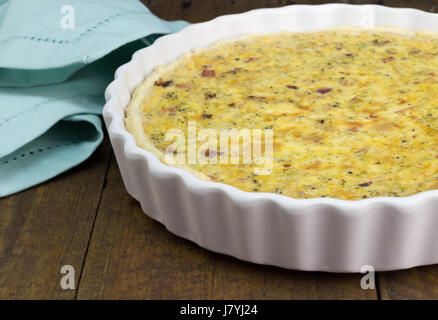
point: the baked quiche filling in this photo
(354, 113)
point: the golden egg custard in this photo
(354, 112)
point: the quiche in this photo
(352, 113)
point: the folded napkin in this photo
(55, 62)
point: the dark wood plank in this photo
(200, 10)
(158, 7)
(426, 5)
(192, 10)
(235, 6)
(133, 257)
(416, 283)
(46, 227)
(234, 279)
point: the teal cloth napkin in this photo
(52, 79)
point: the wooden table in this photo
(85, 218)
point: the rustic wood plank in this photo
(416, 283)
(133, 257)
(234, 6)
(426, 5)
(199, 10)
(158, 7)
(192, 10)
(280, 3)
(234, 279)
(46, 227)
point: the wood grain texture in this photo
(44, 228)
(416, 283)
(234, 279)
(133, 257)
(119, 253)
(233, 6)
(193, 10)
(159, 7)
(426, 5)
(203, 10)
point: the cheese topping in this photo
(354, 113)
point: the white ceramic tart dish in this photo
(323, 234)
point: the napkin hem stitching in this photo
(3, 122)
(77, 38)
(39, 150)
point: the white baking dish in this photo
(306, 234)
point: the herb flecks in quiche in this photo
(354, 113)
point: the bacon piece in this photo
(164, 111)
(387, 59)
(171, 110)
(161, 83)
(210, 95)
(183, 86)
(292, 87)
(251, 59)
(324, 90)
(206, 116)
(366, 184)
(208, 73)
